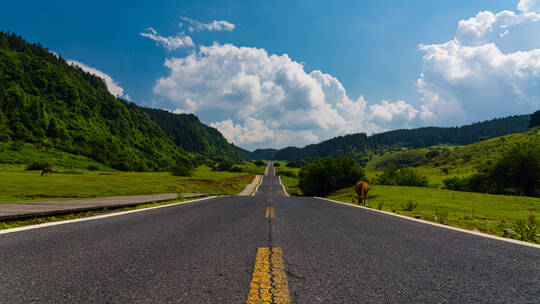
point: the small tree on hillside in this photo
(180, 169)
(325, 175)
(535, 119)
(516, 172)
(259, 163)
(4, 135)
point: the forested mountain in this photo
(187, 132)
(261, 154)
(359, 144)
(535, 119)
(50, 103)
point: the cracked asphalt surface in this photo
(204, 252)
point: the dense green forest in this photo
(360, 144)
(187, 132)
(261, 154)
(535, 119)
(54, 105)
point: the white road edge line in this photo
(438, 225)
(257, 187)
(91, 218)
(282, 185)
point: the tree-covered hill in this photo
(187, 132)
(535, 119)
(359, 144)
(52, 104)
(262, 154)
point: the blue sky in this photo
(340, 67)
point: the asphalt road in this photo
(204, 252)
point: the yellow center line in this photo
(269, 283)
(270, 212)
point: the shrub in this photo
(259, 163)
(93, 167)
(516, 172)
(402, 177)
(224, 165)
(325, 175)
(277, 164)
(235, 169)
(457, 183)
(181, 169)
(526, 229)
(295, 164)
(535, 119)
(38, 165)
(287, 173)
(17, 145)
(409, 206)
(441, 216)
(431, 154)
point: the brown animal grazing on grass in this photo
(46, 171)
(362, 188)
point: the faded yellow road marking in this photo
(270, 212)
(269, 283)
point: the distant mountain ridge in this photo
(360, 143)
(267, 154)
(50, 103)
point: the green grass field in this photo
(290, 183)
(251, 168)
(17, 185)
(485, 212)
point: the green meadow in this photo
(485, 212)
(18, 185)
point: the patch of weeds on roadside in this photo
(409, 206)
(526, 229)
(441, 216)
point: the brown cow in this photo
(46, 171)
(362, 188)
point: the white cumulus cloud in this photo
(469, 78)
(529, 6)
(113, 86)
(171, 43)
(252, 131)
(214, 25)
(270, 100)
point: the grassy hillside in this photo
(481, 152)
(24, 153)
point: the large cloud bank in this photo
(469, 78)
(267, 100)
(271, 100)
